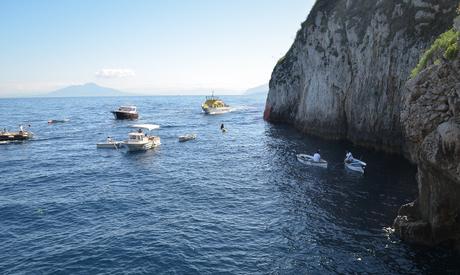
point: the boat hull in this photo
(308, 160)
(125, 115)
(187, 138)
(16, 136)
(109, 145)
(216, 111)
(142, 146)
(51, 121)
(356, 166)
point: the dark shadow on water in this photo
(335, 207)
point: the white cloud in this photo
(115, 73)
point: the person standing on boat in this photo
(349, 157)
(317, 156)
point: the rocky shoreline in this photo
(345, 77)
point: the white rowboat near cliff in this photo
(356, 165)
(308, 160)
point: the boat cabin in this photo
(131, 109)
(213, 102)
(136, 137)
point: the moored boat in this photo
(126, 112)
(109, 144)
(140, 141)
(16, 136)
(308, 160)
(51, 121)
(187, 137)
(214, 105)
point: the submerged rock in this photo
(344, 75)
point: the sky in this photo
(144, 46)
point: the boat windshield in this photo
(136, 137)
(127, 108)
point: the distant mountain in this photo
(262, 89)
(88, 89)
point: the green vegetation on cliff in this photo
(446, 44)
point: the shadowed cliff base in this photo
(431, 120)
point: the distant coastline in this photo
(94, 90)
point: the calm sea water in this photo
(235, 203)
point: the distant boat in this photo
(51, 121)
(356, 165)
(308, 160)
(126, 112)
(138, 141)
(214, 105)
(187, 137)
(15, 136)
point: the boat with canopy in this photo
(140, 141)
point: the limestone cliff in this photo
(431, 126)
(344, 75)
(345, 78)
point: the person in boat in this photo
(139, 131)
(317, 156)
(348, 157)
(109, 139)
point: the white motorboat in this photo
(140, 141)
(187, 137)
(356, 165)
(308, 160)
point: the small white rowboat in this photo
(109, 145)
(308, 160)
(356, 165)
(187, 137)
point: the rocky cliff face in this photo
(344, 75)
(431, 127)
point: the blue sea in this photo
(226, 203)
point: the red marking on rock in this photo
(268, 110)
